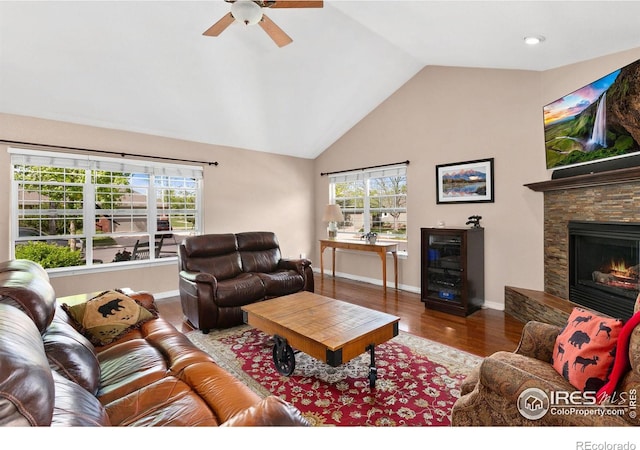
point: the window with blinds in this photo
(79, 210)
(373, 200)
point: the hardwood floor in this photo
(481, 333)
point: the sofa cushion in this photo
(75, 407)
(271, 411)
(167, 402)
(210, 380)
(127, 366)
(263, 261)
(239, 291)
(259, 251)
(216, 254)
(71, 354)
(584, 350)
(107, 316)
(30, 292)
(282, 282)
(26, 383)
(24, 265)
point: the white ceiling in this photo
(145, 66)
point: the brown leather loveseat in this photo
(220, 273)
(51, 375)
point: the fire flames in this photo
(618, 275)
(620, 269)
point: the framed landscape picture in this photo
(465, 182)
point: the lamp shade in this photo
(332, 213)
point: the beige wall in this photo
(246, 191)
(445, 115)
(559, 82)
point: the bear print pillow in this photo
(584, 350)
(109, 315)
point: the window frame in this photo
(365, 177)
(190, 176)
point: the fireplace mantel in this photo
(588, 180)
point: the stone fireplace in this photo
(610, 202)
(606, 197)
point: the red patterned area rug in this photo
(418, 379)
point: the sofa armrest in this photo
(145, 298)
(198, 277)
(294, 264)
(303, 267)
(271, 411)
(538, 340)
(507, 375)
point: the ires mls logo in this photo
(534, 403)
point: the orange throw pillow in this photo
(585, 349)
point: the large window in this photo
(72, 210)
(372, 201)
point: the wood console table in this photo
(380, 248)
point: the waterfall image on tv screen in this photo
(598, 121)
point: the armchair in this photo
(489, 395)
(220, 273)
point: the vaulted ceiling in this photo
(145, 66)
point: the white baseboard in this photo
(377, 282)
(493, 305)
(166, 294)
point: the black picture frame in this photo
(465, 182)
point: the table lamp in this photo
(332, 215)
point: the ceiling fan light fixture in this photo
(246, 11)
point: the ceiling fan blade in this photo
(275, 32)
(297, 4)
(220, 25)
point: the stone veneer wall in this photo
(608, 203)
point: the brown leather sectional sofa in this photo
(51, 375)
(220, 273)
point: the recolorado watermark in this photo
(534, 403)
(590, 445)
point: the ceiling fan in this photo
(250, 12)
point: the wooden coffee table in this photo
(327, 329)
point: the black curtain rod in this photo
(363, 168)
(123, 154)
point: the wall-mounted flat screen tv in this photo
(596, 122)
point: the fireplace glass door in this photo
(604, 266)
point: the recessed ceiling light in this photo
(533, 40)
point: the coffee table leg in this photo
(283, 356)
(373, 371)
